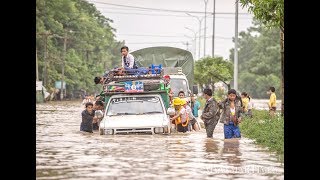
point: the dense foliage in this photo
(91, 48)
(259, 60)
(210, 70)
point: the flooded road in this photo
(63, 152)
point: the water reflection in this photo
(211, 146)
(231, 151)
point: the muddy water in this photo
(62, 152)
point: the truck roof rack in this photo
(123, 75)
(143, 92)
(119, 82)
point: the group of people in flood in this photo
(91, 116)
(186, 113)
(229, 111)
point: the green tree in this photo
(210, 70)
(91, 45)
(270, 13)
(259, 60)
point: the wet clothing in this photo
(210, 116)
(192, 119)
(226, 112)
(231, 131)
(210, 128)
(183, 115)
(95, 126)
(86, 124)
(181, 128)
(189, 111)
(229, 116)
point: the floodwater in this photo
(63, 152)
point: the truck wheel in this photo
(101, 131)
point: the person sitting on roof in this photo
(127, 59)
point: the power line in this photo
(166, 10)
(148, 35)
(172, 15)
(153, 42)
(154, 35)
(148, 10)
(159, 42)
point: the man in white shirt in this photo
(127, 59)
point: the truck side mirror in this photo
(195, 89)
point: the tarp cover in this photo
(168, 57)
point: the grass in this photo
(266, 131)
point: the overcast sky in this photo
(141, 28)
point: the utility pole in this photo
(45, 74)
(205, 27)
(63, 62)
(282, 70)
(199, 37)
(194, 40)
(187, 45)
(37, 72)
(214, 17)
(200, 21)
(235, 75)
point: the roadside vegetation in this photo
(266, 131)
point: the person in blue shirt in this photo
(195, 106)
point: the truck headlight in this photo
(108, 131)
(158, 130)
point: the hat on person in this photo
(183, 101)
(177, 101)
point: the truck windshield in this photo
(178, 85)
(134, 105)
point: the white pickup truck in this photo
(135, 113)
